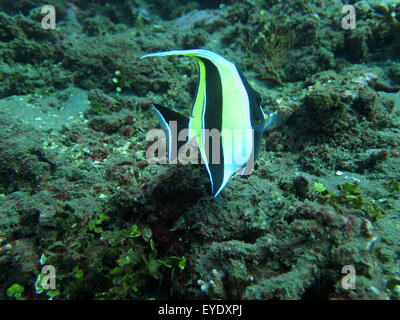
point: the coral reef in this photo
(77, 192)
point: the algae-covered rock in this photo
(78, 190)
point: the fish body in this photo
(227, 118)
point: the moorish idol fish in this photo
(225, 103)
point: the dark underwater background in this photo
(320, 210)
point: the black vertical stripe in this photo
(213, 120)
(254, 101)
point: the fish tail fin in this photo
(173, 124)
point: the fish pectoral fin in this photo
(175, 126)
